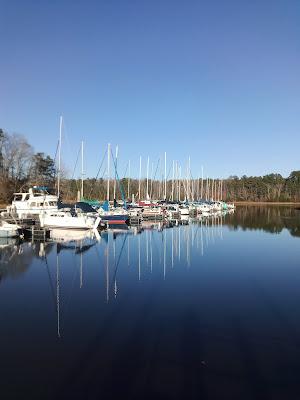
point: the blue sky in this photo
(217, 81)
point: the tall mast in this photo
(108, 170)
(82, 169)
(179, 181)
(147, 185)
(116, 164)
(189, 182)
(140, 176)
(128, 180)
(165, 194)
(201, 182)
(59, 156)
(173, 177)
(152, 177)
(221, 190)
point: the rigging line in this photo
(121, 188)
(118, 262)
(126, 170)
(168, 174)
(157, 165)
(51, 283)
(99, 169)
(56, 168)
(66, 136)
(75, 275)
(153, 178)
(101, 187)
(69, 191)
(56, 151)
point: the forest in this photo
(21, 167)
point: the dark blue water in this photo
(208, 310)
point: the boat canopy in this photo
(105, 205)
(91, 202)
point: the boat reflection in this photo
(152, 249)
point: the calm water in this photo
(209, 310)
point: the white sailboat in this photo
(67, 220)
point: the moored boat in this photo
(36, 200)
(68, 220)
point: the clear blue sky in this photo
(216, 80)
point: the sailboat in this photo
(117, 215)
(69, 220)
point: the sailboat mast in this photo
(147, 185)
(221, 190)
(189, 181)
(116, 166)
(173, 178)
(82, 170)
(165, 194)
(108, 170)
(128, 190)
(59, 156)
(140, 176)
(201, 183)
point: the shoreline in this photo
(266, 203)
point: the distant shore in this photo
(266, 203)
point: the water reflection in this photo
(209, 300)
(150, 249)
(272, 219)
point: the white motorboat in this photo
(33, 202)
(9, 230)
(67, 220)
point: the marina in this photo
(150, 200)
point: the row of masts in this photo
(178, 187)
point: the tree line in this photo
(21, 167)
